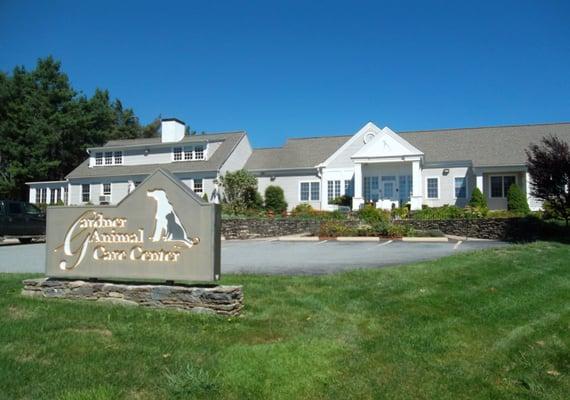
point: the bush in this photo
(387, 229)
(275, 199)
(444, 212)
(342, 201)
(401, 212)
(335, 229)
(516, 200)
(240, 188)
(373, 215)
(478, 200)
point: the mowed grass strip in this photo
(485, 325)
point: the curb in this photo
(357, 239)
(425, 239)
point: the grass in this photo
(486, 325)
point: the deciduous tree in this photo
(548, 165)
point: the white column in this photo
(417, 196)
(357, 199)
(32, 198)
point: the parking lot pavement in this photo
(281, 257)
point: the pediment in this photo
(386, 143)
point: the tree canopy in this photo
(46, 125)
(548, 165)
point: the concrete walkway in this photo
(282, 257)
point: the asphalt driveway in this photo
(281, 257)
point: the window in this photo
(188, 153)
(108, 158)
(52, 199)
(199, 152)
(500, 185)
(137, 183)
(508, 181)
(15, 208)
(333, 190)
(198, 186)
(65, 195)
(106, 189)
(315, 191)
(305, 190)
(310, 191)
(31, 209)
(99, 158)
(432, 188)
(348, 187)
(37, 196)
(85, 192)
(118, 157)
(43, 195)
(460, 188)
(405, 188)
(370, 188)
(177, 153)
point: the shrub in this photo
(516, 200)
(205, 197)
(401, 212)
(303, 210)
(275, 199)
(342, 201)
(336, 228)
(240, 188)
(387, 229)
(478, 200)
(372, 215)
(444, 212)
(257, 201)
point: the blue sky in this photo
(291, 69)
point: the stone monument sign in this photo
(160, 231)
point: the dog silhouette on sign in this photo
(167, 225)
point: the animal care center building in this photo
(374, 164)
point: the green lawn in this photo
(491, 324)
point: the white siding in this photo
(447, 185)
(291, 188)
(207, 181)
(238, 157)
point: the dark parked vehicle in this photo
(22, 221)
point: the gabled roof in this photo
(299, 153)
(386, 143)
(213, 163)
(485, 146)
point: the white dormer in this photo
(172, 130)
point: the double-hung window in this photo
(177, 154)
(500, 185)
(85, 192)
(309, 191)
(38, 196)
(460, 187)
(188, 153)
(348, 187)
(106, 189)
(371, 188)
(118, 157)
(108, 158)
(432, 188)
(333, 190)
(99, 158)
(198, 185)
(43, 195)
(199, 152)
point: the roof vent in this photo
(172, 130)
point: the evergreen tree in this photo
(478, 200)
(46, 126)
(516, 200)
(275, 199)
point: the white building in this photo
(372, 165)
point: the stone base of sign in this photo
(223, 300)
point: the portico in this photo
(387, 183)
